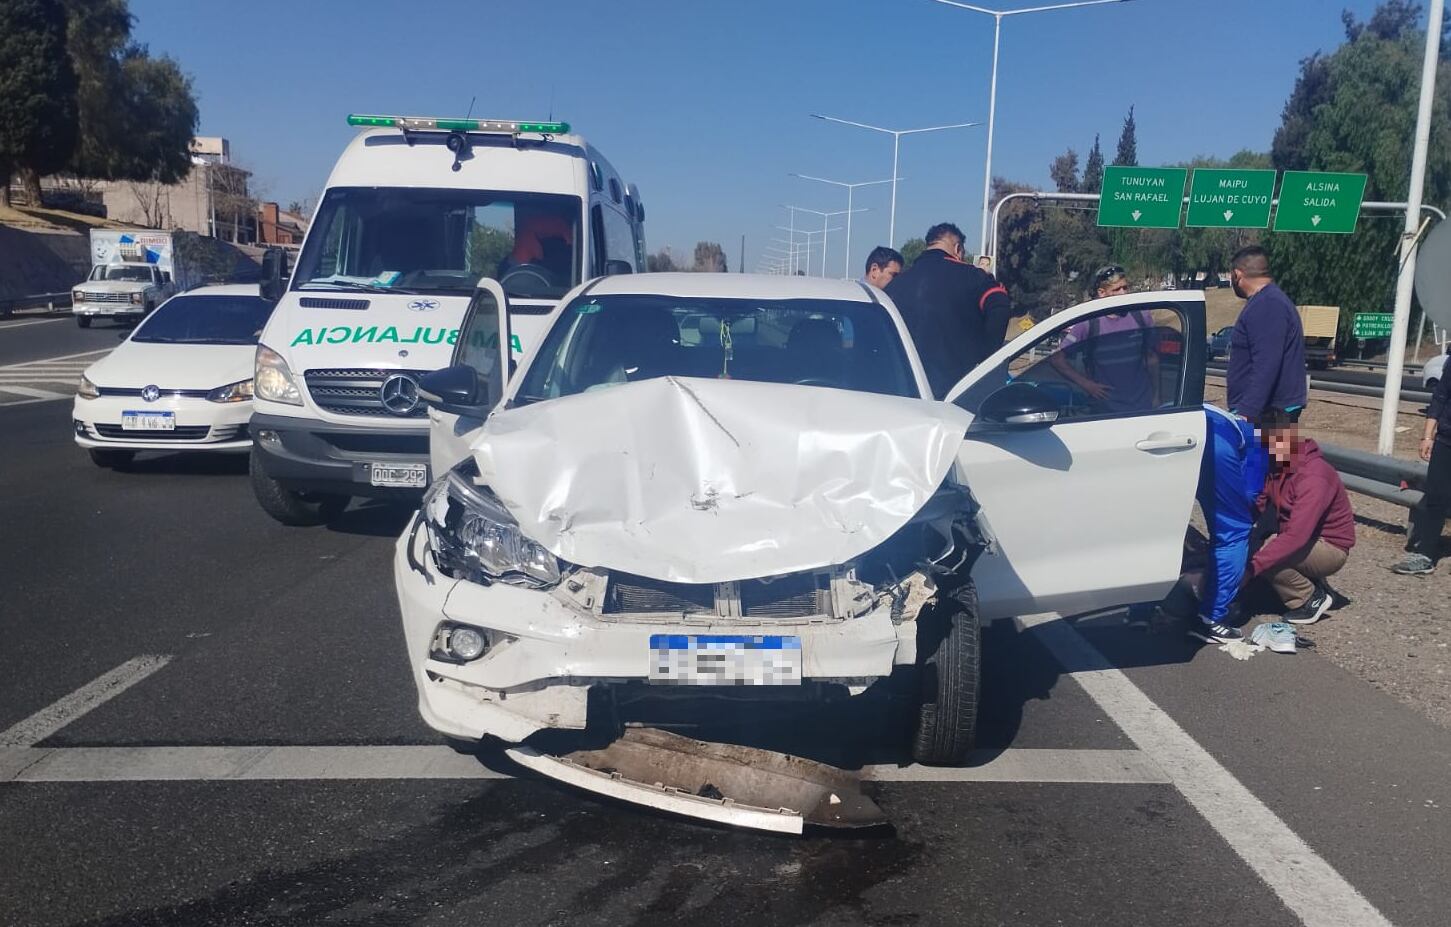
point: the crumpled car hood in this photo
(704, 481)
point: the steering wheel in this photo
(821, 381)
(528, 280)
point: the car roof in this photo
(727, 286)
(225, 289)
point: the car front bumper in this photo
(546, 655)
(201, 425)
(108, 309)
(312, 455)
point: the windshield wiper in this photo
(359, 287)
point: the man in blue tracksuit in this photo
(1267, 348)
(1231, 477)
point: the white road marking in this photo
(204, 764)
(135, 764)
(102, 689)
(39, 395)
(1110, 767)
(30, 322)
(1308, 885)
(50, 360)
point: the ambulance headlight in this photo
(474, 537)
(273, 380)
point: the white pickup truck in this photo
(132, 273)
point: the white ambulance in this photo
(417, 211)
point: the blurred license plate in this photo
(148, 421)
(727, 660)
(407, 475)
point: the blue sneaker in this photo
(1275, 635)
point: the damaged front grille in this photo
(802, 595)
(642, 595)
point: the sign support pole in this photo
(1405, 281)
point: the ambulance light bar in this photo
(438, 124)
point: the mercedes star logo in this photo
(153, 392)
(399, 394)
(423, 305)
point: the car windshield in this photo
(206, 320)
(603, 341)
(417, 240)
(121, 272)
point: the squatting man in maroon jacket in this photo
(1313, 524)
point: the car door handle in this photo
(1170, 443)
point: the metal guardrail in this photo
(51, 301)
(1349, 389)
(1388, 478)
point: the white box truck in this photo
(416, 212)
(132, 272)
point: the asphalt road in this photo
(1280, 790)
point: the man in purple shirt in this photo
(1116, 353)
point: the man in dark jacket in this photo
(1429, 517)
(1314, 525)
(1267, 346)
(957, 313)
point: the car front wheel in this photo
(290, 506)
(84, 321)
(949, 644)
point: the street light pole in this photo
(896, 142)
(850, 189)
(825, 219)
(992, 106)
(1405, 282)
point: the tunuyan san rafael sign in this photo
(1224, 199)
(1142, 197)
(1315, 201)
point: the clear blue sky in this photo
(706, 106)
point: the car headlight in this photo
(87, 389)
(232, 392)
(474, 537)
(137, 298)
(77, 296)
(273, 381)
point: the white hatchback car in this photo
(181, 381)
(1432, 372)
(703, 483)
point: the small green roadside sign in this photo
(1142, 197)
(1371, 324)
(1315, 201)
(1225, 199)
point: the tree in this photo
(488, 247)
(710, 258)
(37, 94)
(1064, 171)
(1128, 144)
(1020, 227)
(1354, 110)
(1093, 170)
(137, 114)
(912, 249)
(660, 262)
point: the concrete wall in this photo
(41, 262)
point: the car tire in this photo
(84, 321)
(289, 506)
(110, 458)
(949, 646)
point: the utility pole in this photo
(743, 254)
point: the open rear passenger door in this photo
(1089, 508)
(463, 394)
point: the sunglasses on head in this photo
(1107, 273)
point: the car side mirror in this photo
(165, 277)
(456, 390)
(274, 268)
(615, 268)
(1019, 406)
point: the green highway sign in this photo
(1372, 324)
(1315, 201)
(1224, 199)
(1142, 197)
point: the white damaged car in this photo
(741, 485)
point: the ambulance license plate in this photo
(407, 476)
